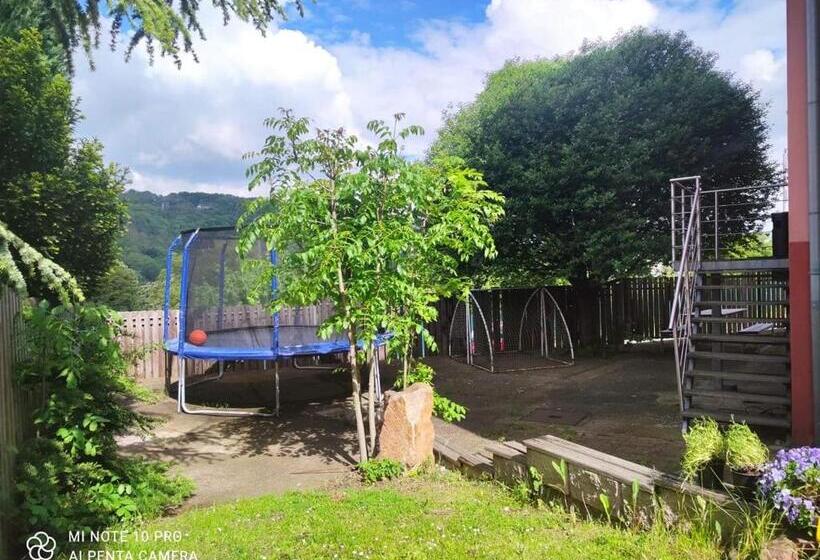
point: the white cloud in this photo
(760, 66)
(186, 129)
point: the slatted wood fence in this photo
(16, 408)
(637, 309)
(144, 334)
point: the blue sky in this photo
(387, 23)
(349, 61)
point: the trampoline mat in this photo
(256, 343)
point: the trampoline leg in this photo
(182, 406)
(276, 380)
(377, 381)
(181, 386)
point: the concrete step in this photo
(741, 338)
(752, 419)
(739, 357)
(745, 397)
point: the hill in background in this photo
(157, 219)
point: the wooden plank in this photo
(753, 419)
(735, 396)
(737, 357)
(742, 338)
(742, 376)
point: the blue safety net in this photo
(227, 299)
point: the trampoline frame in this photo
(470, 332)
(183, 354)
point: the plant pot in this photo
(712, 473)
(743, 482)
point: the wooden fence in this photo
(16, 409)
(144, 334)
(634, 309)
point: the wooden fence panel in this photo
(16, 409)
(634, 309)
(144, 334)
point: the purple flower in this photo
(791, 482)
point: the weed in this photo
(375, 470)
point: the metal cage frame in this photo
(471, 304)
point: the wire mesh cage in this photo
(219, 293)
(225, 315)
(225, 298)
(510, 330)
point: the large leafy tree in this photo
(169, 25)
(583, 148)
(58, 195)
(380, 237)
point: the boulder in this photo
(406, 432)
(780, 548)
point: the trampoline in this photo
(224, 317)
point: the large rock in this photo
(406, 433)
(780, 548)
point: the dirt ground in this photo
(624, 404)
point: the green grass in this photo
(427, 517)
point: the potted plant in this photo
(703, 456)
(746, 456)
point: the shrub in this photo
(704, 442)
(443, 407)
(791, 483)
(70, 476)
(375, 470)
(743, 448)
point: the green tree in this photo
(169, 24)
(380, 237)
(583, 149)
(121, 290)
(71, 476)
(18, 15)
(35, 265)
(37, 114)
(57, 195)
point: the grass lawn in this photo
(431, 516)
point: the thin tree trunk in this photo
(355, 378)
(371, 400)
(355, 374)
(405, 366)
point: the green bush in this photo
(443, 407)
(70, 476)
(743, 448)
(375, 470)
(703, 442)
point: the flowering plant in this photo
(792, 483)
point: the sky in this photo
(350, 61)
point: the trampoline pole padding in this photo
(276, 377)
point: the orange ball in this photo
(197, 337)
